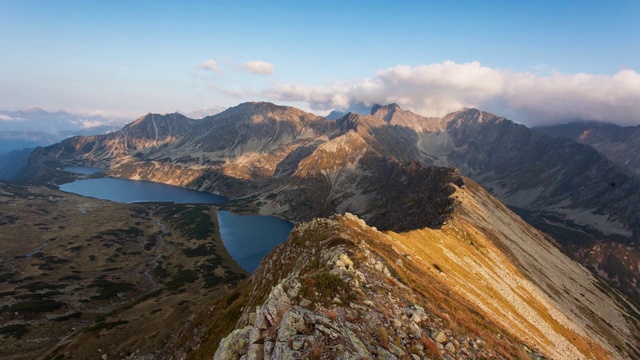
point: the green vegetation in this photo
(33, 306)
(211, 281)
(49, 261)
(151, 242)
(105, 325)
(182, 277)
(108, 289)
(194, 221)
(67, 317)
(38, 296)
(160, 272)
(232, 297)
(15, 331)
(324, 286)
(6, 276)
(97, 260)
(200, 250)
(39, 285)
(70, 277)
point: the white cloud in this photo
(211, 65)
(90, 123)
(438, 89)
(4, 117)
(258, 67)
(104, 117)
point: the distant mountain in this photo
(619, 144)
(199, 114)
(335, 114)
(384, 167)
(36, 119)
(12, 162)
(36, 127)
(17, 140)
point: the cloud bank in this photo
(438, 89)
(5, 117)
(258, 67)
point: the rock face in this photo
(280, 160)
(341, 289)
(620, 144)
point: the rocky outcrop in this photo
(329, 314)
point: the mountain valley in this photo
(430, 265)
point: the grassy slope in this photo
(116, 277)
(522, 281)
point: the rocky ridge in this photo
(341, 289)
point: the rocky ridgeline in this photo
(333, 297)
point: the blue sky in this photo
(132, 57)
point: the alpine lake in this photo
(248, 238)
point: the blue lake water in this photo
(128, 191)
(241, 233)
(83, 170)
(248, 238)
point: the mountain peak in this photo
(335, 115)
(390, 108)
(259, 112)
(471, 116)
(259, 106)
(352, 120)
(394, 115)
(35, 110)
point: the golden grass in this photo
(454, 249)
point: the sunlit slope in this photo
(521, 279)
(469, 288)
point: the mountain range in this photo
(281, 160)
(36, 122)
(431, 264)
(22, 131)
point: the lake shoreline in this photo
(246, 236)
